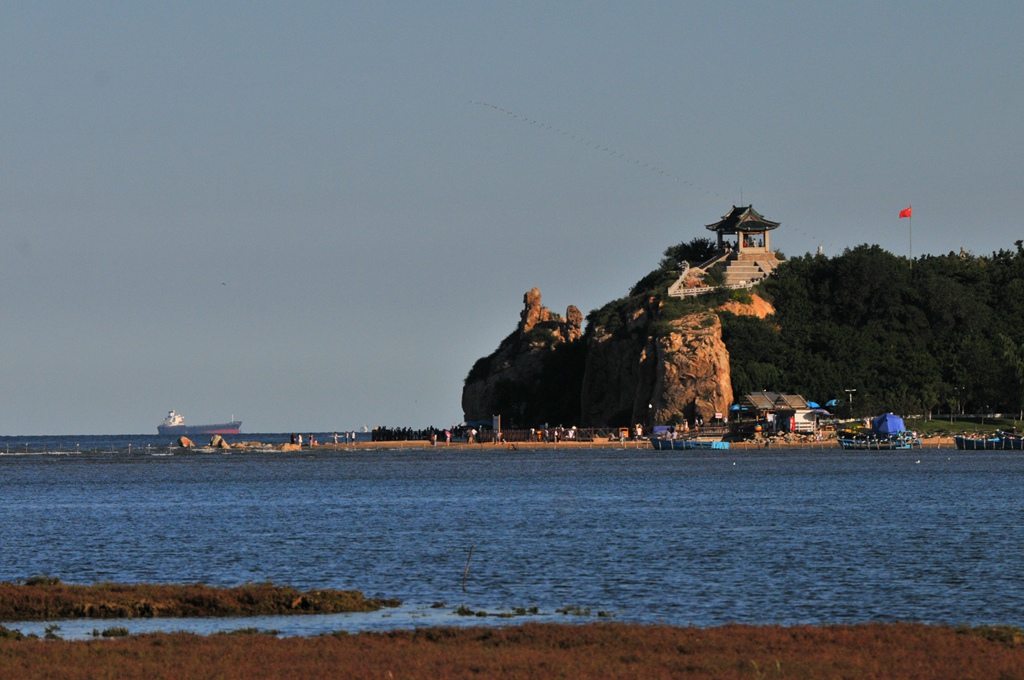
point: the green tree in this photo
(907, 340)
(694, 251)
(1014, 356)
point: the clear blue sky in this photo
(295, 213)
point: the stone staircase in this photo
(744, 270)
(739, 271)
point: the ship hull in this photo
(878, 444)
(1001, 442)
(189, 430)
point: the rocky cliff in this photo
(644, 359)
(533, 376)
(656, 373)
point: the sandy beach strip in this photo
(929, 443)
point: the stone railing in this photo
(678, 289)
(694, 292)
(678, 285)
(715, 259)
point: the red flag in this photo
(905, 213)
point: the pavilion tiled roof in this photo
(742, 219)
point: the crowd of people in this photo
(470, 434)
(404, 434)
(311, 441)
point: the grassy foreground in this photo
(541, 651)
(42, 599)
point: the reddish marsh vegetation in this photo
(44, 599)
(542, 651)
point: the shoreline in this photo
(828, 444)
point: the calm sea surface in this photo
(682, 538)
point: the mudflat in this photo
(43, 599)
(604, 650)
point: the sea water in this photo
(700, 538)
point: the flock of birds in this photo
(612, 152)
(596, 146)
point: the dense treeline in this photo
(945, 335)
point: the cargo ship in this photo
(174, 424)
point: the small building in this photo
(788, 412)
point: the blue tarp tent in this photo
(887, 424)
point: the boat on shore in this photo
(873, 443)
(888, 433)
(174, 424)
(1000, 441)
(663, 444)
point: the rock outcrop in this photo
(757, 306)
(691, 371)
(618, 358)
(634, 365)
(681, 370)
(513, 380)
(535, 315)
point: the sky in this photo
(315, 216)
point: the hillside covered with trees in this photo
(944, 335)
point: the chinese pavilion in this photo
(748, 226)
(744, 254)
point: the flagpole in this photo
(908, 212)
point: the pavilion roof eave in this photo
(742, 227)
(742, 220)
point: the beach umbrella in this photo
(813, 404)
(832, 402)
